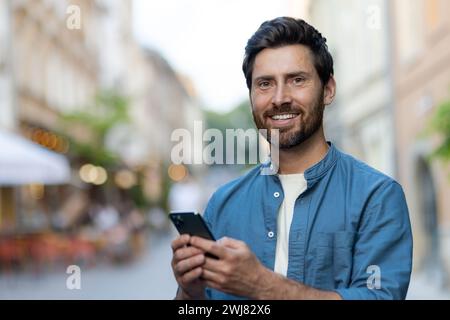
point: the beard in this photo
(294, 136)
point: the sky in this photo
(205, 40)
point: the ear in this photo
(329, 91)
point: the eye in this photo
(298, 80)
(264, 85)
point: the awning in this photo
(24, 162)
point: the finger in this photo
(186, 265)
(209, 246)
(186, 252)
(213, 265)
(210, 276)
(180, 241)
(231, 243)
(212, 284)
(192, 275)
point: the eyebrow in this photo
(287, 75)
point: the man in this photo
(327, 226)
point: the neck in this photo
(305, 155)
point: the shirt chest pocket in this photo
(332, 260)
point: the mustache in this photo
(284, 108)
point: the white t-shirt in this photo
(293, 186)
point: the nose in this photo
(282, 95)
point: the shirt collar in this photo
(314, 173)
(322, 167)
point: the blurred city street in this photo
(149, 277)
(115, 112)
(423, 287)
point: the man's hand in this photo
(237, 271)
(187, 264)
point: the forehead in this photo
(283, 60)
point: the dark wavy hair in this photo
(284, 31)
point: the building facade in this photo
(422, 82)
(392, 61)
(55, 56)
(360, 120)
(7, 117)
(55, 67)
(51, 68)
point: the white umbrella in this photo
(25, 162)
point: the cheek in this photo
(308, 100)
(304, 97)
(260, 102)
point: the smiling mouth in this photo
(283, 120)
(285, 116)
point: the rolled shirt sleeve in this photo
(382, 256)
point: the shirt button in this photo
(270, 234)
(276, 194)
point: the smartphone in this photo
(191, 223)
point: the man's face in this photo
(287, 94)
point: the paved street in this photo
(149, 277)
(427, 287)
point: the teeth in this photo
(283, 116)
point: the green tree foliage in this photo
(238, 118)
(440, 124)
(108, 110)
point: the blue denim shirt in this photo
(350, 227)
